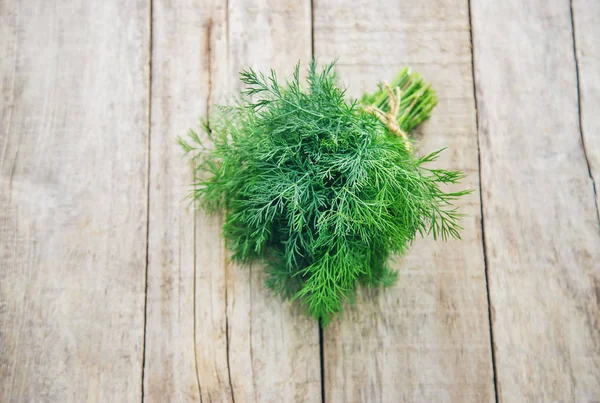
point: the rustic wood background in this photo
(113, 290)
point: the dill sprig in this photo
(316, 187)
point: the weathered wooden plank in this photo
(175, 371)
(273, 348)
(586, 14)
(426, 339)
(541, 225)
(73, 199)
(248, 345)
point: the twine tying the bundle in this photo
(389, 119)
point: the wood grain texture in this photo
(427, 338)
(175, 371)
(586, 15)
(541, 226)
(214, 331)
(73, 199)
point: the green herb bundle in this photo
(321, 189)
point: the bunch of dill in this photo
(316, 187)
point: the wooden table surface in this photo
(113, 290)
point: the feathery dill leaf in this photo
(317, 188)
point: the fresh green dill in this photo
(314, 186)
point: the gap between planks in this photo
(321, 338)
(577, 87)
(148, 149)
(483, 245)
